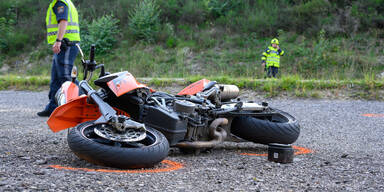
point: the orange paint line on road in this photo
(373, 115)
(171, 166)
(299, 151)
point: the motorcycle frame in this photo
(91, 106)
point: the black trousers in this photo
(272, 71)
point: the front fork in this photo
(108, 114)
(106, 110)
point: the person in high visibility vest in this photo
(63, 33)
(271, 58)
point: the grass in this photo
(235, 55)
(294, 86)
(32, 83)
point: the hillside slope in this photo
(177, 38)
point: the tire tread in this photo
(264, 131)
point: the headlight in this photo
(60, 98)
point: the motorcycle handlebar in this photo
(92, 54)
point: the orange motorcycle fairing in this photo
(124, 84)
(72, 113)
(75, 112)
(70, 90)
(194, 88)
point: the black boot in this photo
(44, 113)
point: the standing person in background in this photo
(271, 58)
(63, 32)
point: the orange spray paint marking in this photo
(299, 151)
(171, 166)
(255, 154)
(373, 115)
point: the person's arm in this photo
(60, 35)
(264, 58)
(280, 51)
(61, 11)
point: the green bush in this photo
(11, 41)
(5, 30)
(102, 32)
(261, 18)
(171, 10)
(168, 35)
(144, 21)
(370, 13)
(220, 8)
(194, 12)
(306, 17)
(171, 42)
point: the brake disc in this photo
(130, 135)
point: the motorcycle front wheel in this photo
(280, 128)
(87, 145)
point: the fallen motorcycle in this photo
(125, 124)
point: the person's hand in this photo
(56, 47)
(277, 47)
(263, 65)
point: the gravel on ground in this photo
(348, 153)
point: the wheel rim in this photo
(131, 135)
(88, 133)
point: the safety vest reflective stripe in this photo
(72, 31)
(66, 31)
(272, 57)
(56, 25)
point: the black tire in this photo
(146, 153)
(281, 128)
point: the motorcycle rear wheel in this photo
(281, 128)
(142, 154)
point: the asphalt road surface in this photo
(346, 154)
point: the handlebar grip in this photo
(92, 54)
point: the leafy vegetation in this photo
(100, 32)
(340, 40)
(144, 21)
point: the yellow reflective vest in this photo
(73, 30)
(272, 57)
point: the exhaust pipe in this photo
(229, 92)
(217, 133)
